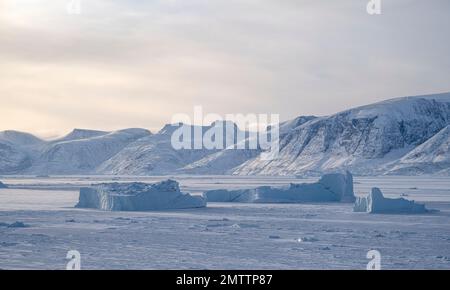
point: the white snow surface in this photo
(375, 202)
(335, 187)
(222, 235)
(137, 197)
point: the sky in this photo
(120, 64)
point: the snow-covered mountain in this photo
(432, 156)
(156, 155)
(365, 140)
(12, 159)
(85, 154)
(150, 155)
(19, 138)
(80, 152)
(78, 134)
(408, 135)
(16, 151)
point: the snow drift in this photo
(137, 197)
(375, 202)
(333, 187)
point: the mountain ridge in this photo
(375, 139)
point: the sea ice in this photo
(137, 197)
(16, 224)
(375, 202)
(335, 187)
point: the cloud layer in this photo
(136, 63)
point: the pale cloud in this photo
(136, 63)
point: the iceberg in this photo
(334, 187)
(137, 196)
(2, 185)
(375, 202)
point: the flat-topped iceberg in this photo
(138, 197)
(2, 185)
(334, 187)
(375, 202)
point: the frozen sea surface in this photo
(230, 236)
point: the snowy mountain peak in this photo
(364, 140)
(81, 134)
(19, 138)
(168, 129)
(77, 134)
(84, 155)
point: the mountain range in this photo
(401, 136)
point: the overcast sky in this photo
(136, 63)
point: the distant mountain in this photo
(156, 155)
(83, 156)
(150, 155)
(12, 159)
(16, 150)
(80, 152)
(432, 156)
(403, 136)
(78, 134)
(365, 140)
(19, 138)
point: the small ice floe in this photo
(138, 196)
(8, 244)
(248, 226)
(375, 202)
(196, 226)
(334, 187)
(307, 239)
(122, 218)
(443, 258)
(16, 224)
(219, 220)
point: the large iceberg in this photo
(375, 202)
(137, 197)
(2, 185)
(334, 187)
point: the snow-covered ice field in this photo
(223, 235)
